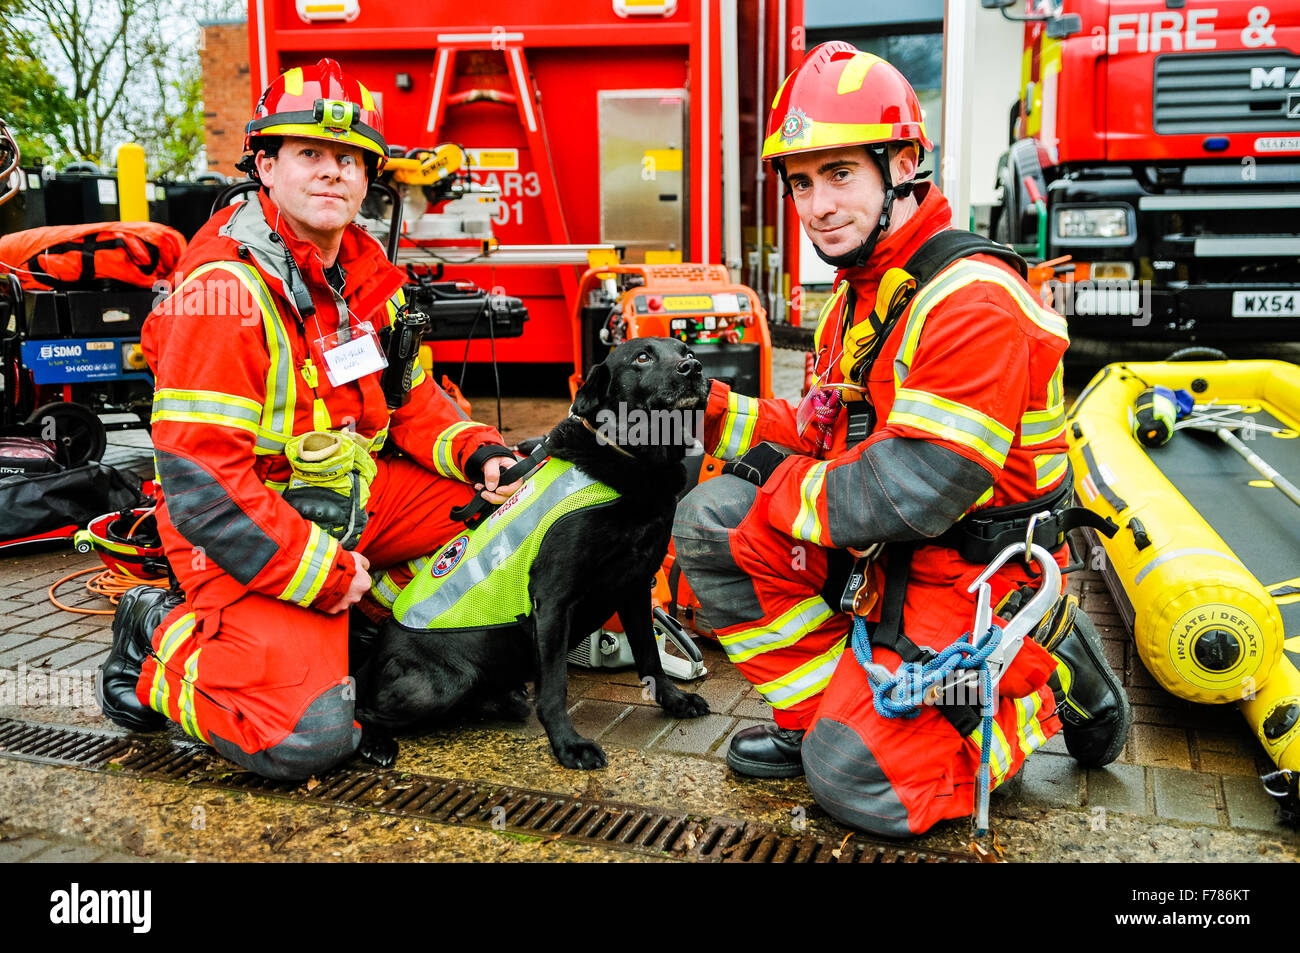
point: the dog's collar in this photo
(600, 437)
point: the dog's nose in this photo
(689, 366)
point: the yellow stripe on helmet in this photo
(855, 71)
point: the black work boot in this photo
(139, 613)
(766, 751)
(1094, 710)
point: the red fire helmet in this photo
(319, 102)
(840, 96)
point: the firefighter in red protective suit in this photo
(936, 428)
(268, 417)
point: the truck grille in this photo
(1227, 92)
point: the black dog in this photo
(624, 432)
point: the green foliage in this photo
(32, 102)
(115, 71)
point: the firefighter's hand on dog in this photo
(359, 586)
(491, 476)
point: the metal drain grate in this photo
(469, 803)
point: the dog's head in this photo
(649, 392)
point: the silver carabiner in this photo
(1025, 621)
(1036, 609)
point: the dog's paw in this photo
(377, 747)
(681, 704)
(582, 755)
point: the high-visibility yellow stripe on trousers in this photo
(808, 524)
(1029, 731)
(784, 630)
(387, 588)
(1000, 755)
(174, 636)
(805, 681)
(189, 718)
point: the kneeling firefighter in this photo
(272, 403)
(936, 427)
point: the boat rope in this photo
(901, 694)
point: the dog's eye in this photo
(643, 358)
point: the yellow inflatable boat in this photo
(1206, 565)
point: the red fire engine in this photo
(592, 127)
(1157, 142)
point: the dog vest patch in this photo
(480, 579)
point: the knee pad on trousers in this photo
(325, 736)
(848, 783)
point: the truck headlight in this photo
(1092, 223)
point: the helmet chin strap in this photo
(857, 257)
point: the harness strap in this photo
(978, 537)
(888, 632)
(472, 512)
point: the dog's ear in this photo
(593, 392)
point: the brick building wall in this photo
(227, 103)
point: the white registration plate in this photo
(1266, 304)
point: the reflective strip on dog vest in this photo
(785, 629)
(480, 580)
(805, 681)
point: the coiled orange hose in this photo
(107, 583)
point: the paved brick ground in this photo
(1183, 762)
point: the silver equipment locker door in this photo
(643, 170)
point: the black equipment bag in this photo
(31, 505)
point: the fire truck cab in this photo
(1157, 143)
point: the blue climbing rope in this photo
(903, 693)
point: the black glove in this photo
(474, 465)
(757, 464)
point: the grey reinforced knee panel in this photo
(324, 736)
(701, 532)
(848, 783)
